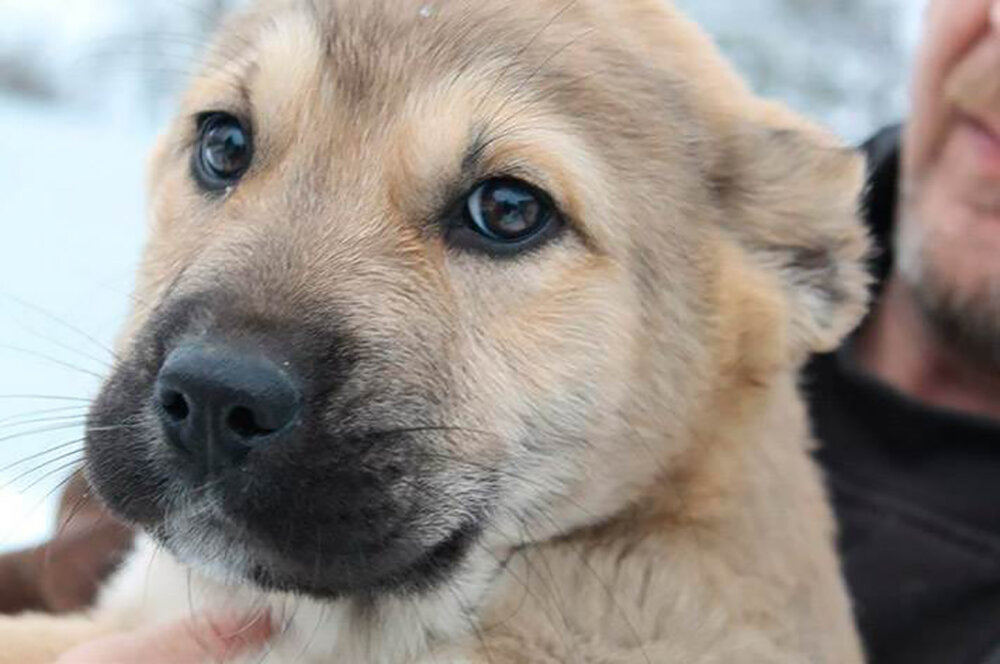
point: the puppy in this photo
(469, 333)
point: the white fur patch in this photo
(152, 587)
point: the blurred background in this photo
(84, 86)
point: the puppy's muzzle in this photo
(293, 456)
(217, 403)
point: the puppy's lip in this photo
(364, 572)
(434, 565)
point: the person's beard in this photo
(966, 319)
(965, 316)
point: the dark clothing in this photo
(916, 490)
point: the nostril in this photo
(216, 403)
(175, 405)
(244, 423)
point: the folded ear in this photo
(789, 191)
(791, 197)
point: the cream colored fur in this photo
(718, 246)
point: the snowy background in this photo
(84, 85)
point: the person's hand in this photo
(199, 640)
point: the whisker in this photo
(36, 432)
(60, 321)
(78, 504)
(36, 413)
(107, 366)
(79, 419)
(49, 358)
(62, 483)
(553, 586)
(538, 70)
(474, 626)
(307, 643)
(78, 454)
(54, 471)
(604, 583)
(608, 588)
(115, 427)
(525, 583)
(157, 549)
(636, 440)
(38, 455)
(524, 49)
(41, 397)
(94, 576)
(190, 594)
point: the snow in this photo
(71, 177)
(845, 63)
(71, 212)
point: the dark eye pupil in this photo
(508, 210)
(511, 212)
(224, 151)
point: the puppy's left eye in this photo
(505, 215)
(223, 152)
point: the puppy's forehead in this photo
(377, 51)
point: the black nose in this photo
(218, 403)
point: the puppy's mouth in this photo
(233, 555)
(431, 568)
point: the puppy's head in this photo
(429, 281)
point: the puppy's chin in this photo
(212, 544)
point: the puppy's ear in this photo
(791, 196)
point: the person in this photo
(63, 575)
(908, 411)
(193, 640)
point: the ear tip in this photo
(848, 298)
(805, 217)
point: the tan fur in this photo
(714, 246)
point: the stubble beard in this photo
(965, 318)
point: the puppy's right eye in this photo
(223, 152)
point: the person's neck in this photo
(899, 346)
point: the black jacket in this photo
(916, 490)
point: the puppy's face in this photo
(427, 282)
